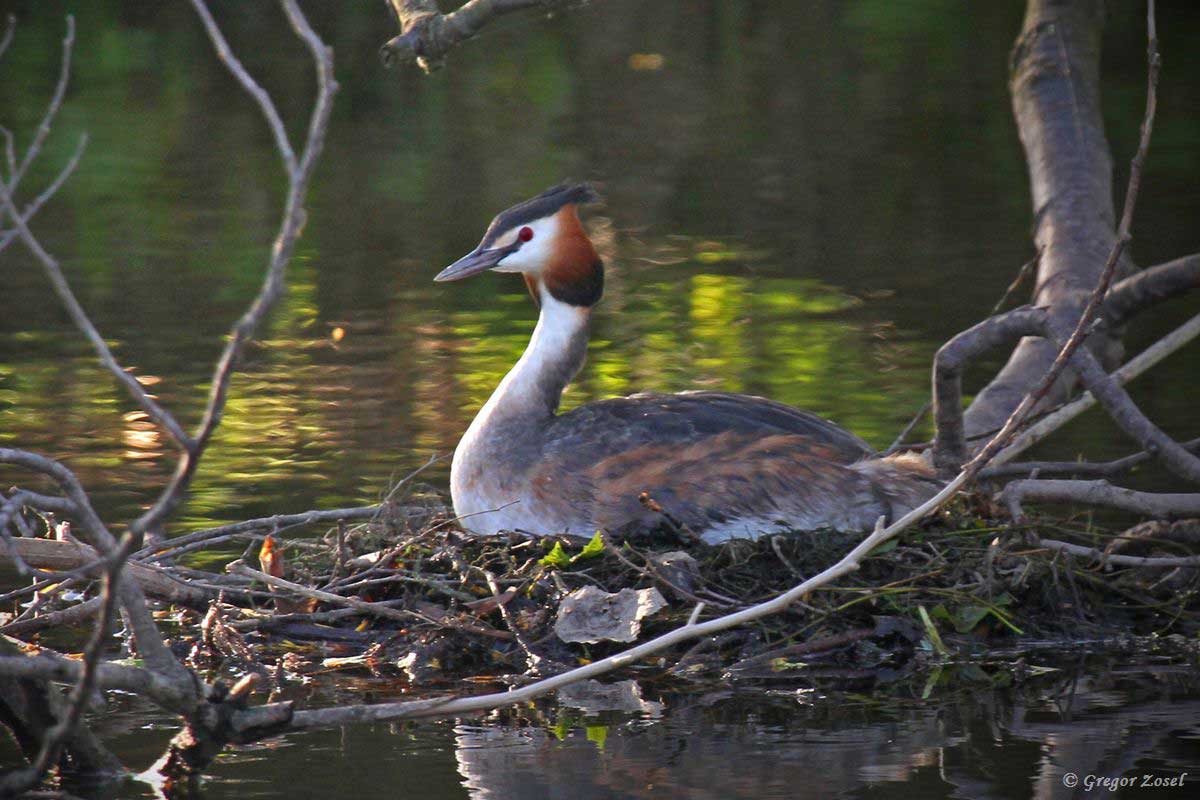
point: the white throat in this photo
(551, 360)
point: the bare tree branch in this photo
(1098, 493)
(1104, 558)
(133, 603)
(427, 35)
(43, 129)
(950, 444)
(137, 680)
(1150, 287)
(51, 267)
(259, 94)
(299, 176)
(68, 169)
(1082, 327)
(1136, 366)
(1102, 469)
(1129, 418)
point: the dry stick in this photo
(532, 659)
(74, 615)
(376, 609)
(299, 176)
(1151, 504)
(1145, 360)
(1112, 558)
(1106, 469)
(156, 552)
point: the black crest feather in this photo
(539, 206)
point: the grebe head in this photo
(543, 239)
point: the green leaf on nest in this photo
(592, 549)
(557, 557)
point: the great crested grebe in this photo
(723, 465)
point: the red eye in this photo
(525, 234)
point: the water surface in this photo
(802, 202)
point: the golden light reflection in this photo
(647, 62)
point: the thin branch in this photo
(1104, 558)
(1098, 493)
(259, 94)
(1135, 367)
(950, 446)
(1150, 287)
(172, 547)
(1023, 273)
(68, 169)
(1102, 469)
(10, 150)
(1129, 418)
(63, 289)
(299, 176)
(43, 129)
(374, 609)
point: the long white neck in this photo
(554, 355)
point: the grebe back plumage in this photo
(724, 465)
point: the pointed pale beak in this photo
(473, 263)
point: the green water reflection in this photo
(799, 205)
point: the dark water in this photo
(803, 201)
(1119, 727)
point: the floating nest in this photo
(965, 587)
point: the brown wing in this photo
(590, 433)
(705, 458)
